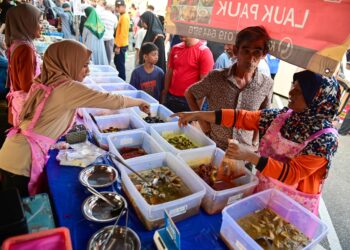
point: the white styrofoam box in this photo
(157, 131)
(102, 69)
(139, 94)
(235, 237)
(120, 121)
(133, 139)
(156, 110)
(88, 80)
(111, 87)
(214, 201)
(96, 112)
(106, 79)
(152, 215)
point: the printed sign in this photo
(312, 34)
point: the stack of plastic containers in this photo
(106, 79)
(112, 87)
(179, 209)
(97, 70)
(234, 236)
(121, 121)
(158, 132)
(214, 201)
(133, 139)
(141, 95)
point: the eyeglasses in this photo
(253, 52)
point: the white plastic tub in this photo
(139, 94)
(152, 215)
(106, 79)
(112, 87)
(197, 137)
(102, 69)
(99, 112)
(121, 121)
(156, 110)
(133, 139)
(88, 80)
(235, 237)
(214, 201)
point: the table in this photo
(198, 232)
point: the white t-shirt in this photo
(139, 36)
(110, 21)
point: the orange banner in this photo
(312, 34)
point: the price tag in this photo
(234, 198)
(177, 211)
(172, 229)
(167, 238)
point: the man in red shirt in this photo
(189, 62)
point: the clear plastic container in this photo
(99, 112)
(156, 110)
(234, 236)
(102, 69)
(152, 216)
(52, 239)
(157, 131)
(139, 94)
(133, 139)
(112, 87)
(88, 80)
(214, 201)
(121, 121)
(106, 79)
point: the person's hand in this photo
(205, 126)
(144, 107)
(237, 151)
(185, 117)
(117, 50)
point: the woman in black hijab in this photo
(155, 34)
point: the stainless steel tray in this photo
(98, 175)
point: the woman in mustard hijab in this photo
(93, 33)
(49, 112)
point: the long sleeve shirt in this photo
(307, 171)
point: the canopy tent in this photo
(311, 34)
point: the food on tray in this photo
(180, 141)
(168, 185)
(154, 119)
(265, 226)
(208, 172)
(131, 152)
(112, 129)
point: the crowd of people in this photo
(291, 148)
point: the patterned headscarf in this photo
(300, 126)
(94, 23)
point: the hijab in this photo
(154, 26)
(317, 116)
(21, 23)
(94, 23)
(63, 62)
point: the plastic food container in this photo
(102, 69)
(106, 79)
(197, 137)
(214, 201)
(130, 122)
(111, 87)
(156, 110)
(133, 139)
(88, 80)
(234, 236)
(141, 95)
(99, 112)
(53, 239)
(152, 216)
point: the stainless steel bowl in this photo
(95, 209)
(123, 238)
(97, 176)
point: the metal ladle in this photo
(99, 195)
(118, 159)
(111, 232)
